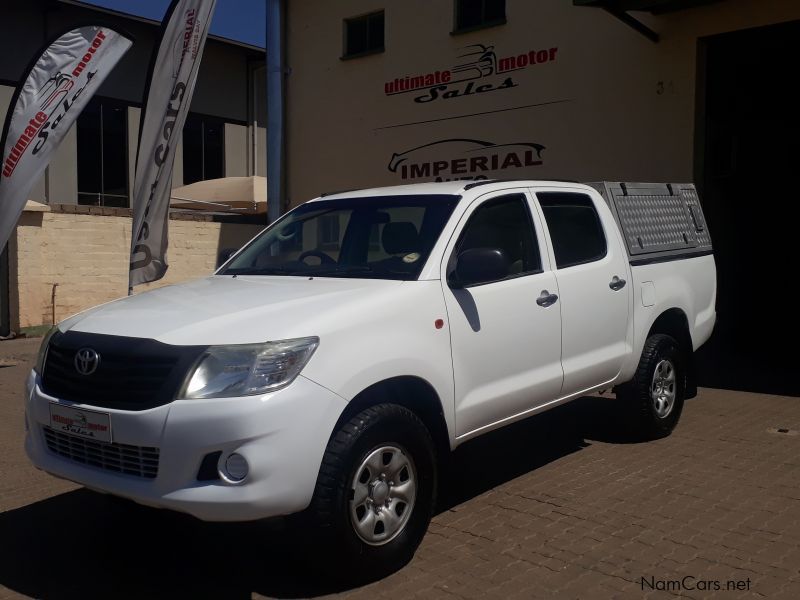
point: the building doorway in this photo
(748, 151)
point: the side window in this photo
(504, 223)
(575, 228)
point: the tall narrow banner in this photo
(52, 95)
(171, 85)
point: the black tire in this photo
(637, 392)
(344, 553)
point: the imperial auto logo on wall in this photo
(477, 71)
(461, 158)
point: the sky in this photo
(241, 20)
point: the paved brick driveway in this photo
(557, 507)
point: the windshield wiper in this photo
(338, 271)
(342, 270)
(261, 271)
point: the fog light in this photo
(236, 467)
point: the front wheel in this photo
(375, 492)
(658, 388)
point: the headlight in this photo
(40, 358)
(250, 369)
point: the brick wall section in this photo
(84, 249)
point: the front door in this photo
(506, 347)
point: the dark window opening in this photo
(504, 223)
(575, 228)
(475, 14)
(203, 149)
(364, 35)
(102, 140)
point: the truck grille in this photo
(139, 461)
(132, 373)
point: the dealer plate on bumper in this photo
(79, 421)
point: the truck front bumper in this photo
(282, 436)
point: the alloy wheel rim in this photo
(382, 494)
(663, 388)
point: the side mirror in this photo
(479, 265)
(224, 255)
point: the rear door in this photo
(591, 269)
(506, 347)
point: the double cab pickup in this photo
(330, 365)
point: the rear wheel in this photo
(658, 389)
(375, 492)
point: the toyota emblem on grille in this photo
(86, 361)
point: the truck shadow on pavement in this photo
(83, 544)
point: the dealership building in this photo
(70, 251)
(384, 93)
(365, 93)
(225, 132)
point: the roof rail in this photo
(475, 184)
(324, 194)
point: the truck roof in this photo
(450, 188)
(657, 220)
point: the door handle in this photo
(617, 284)
(546, 299)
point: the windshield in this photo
(386, 237)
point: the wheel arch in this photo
(411, 392)
(674, 323)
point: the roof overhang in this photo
(620, 8)
(653, 6)
(131, 17)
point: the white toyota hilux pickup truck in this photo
(329, 365)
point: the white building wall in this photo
(222, 90)
(607, 103)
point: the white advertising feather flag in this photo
(171, 85)
(52, 95)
